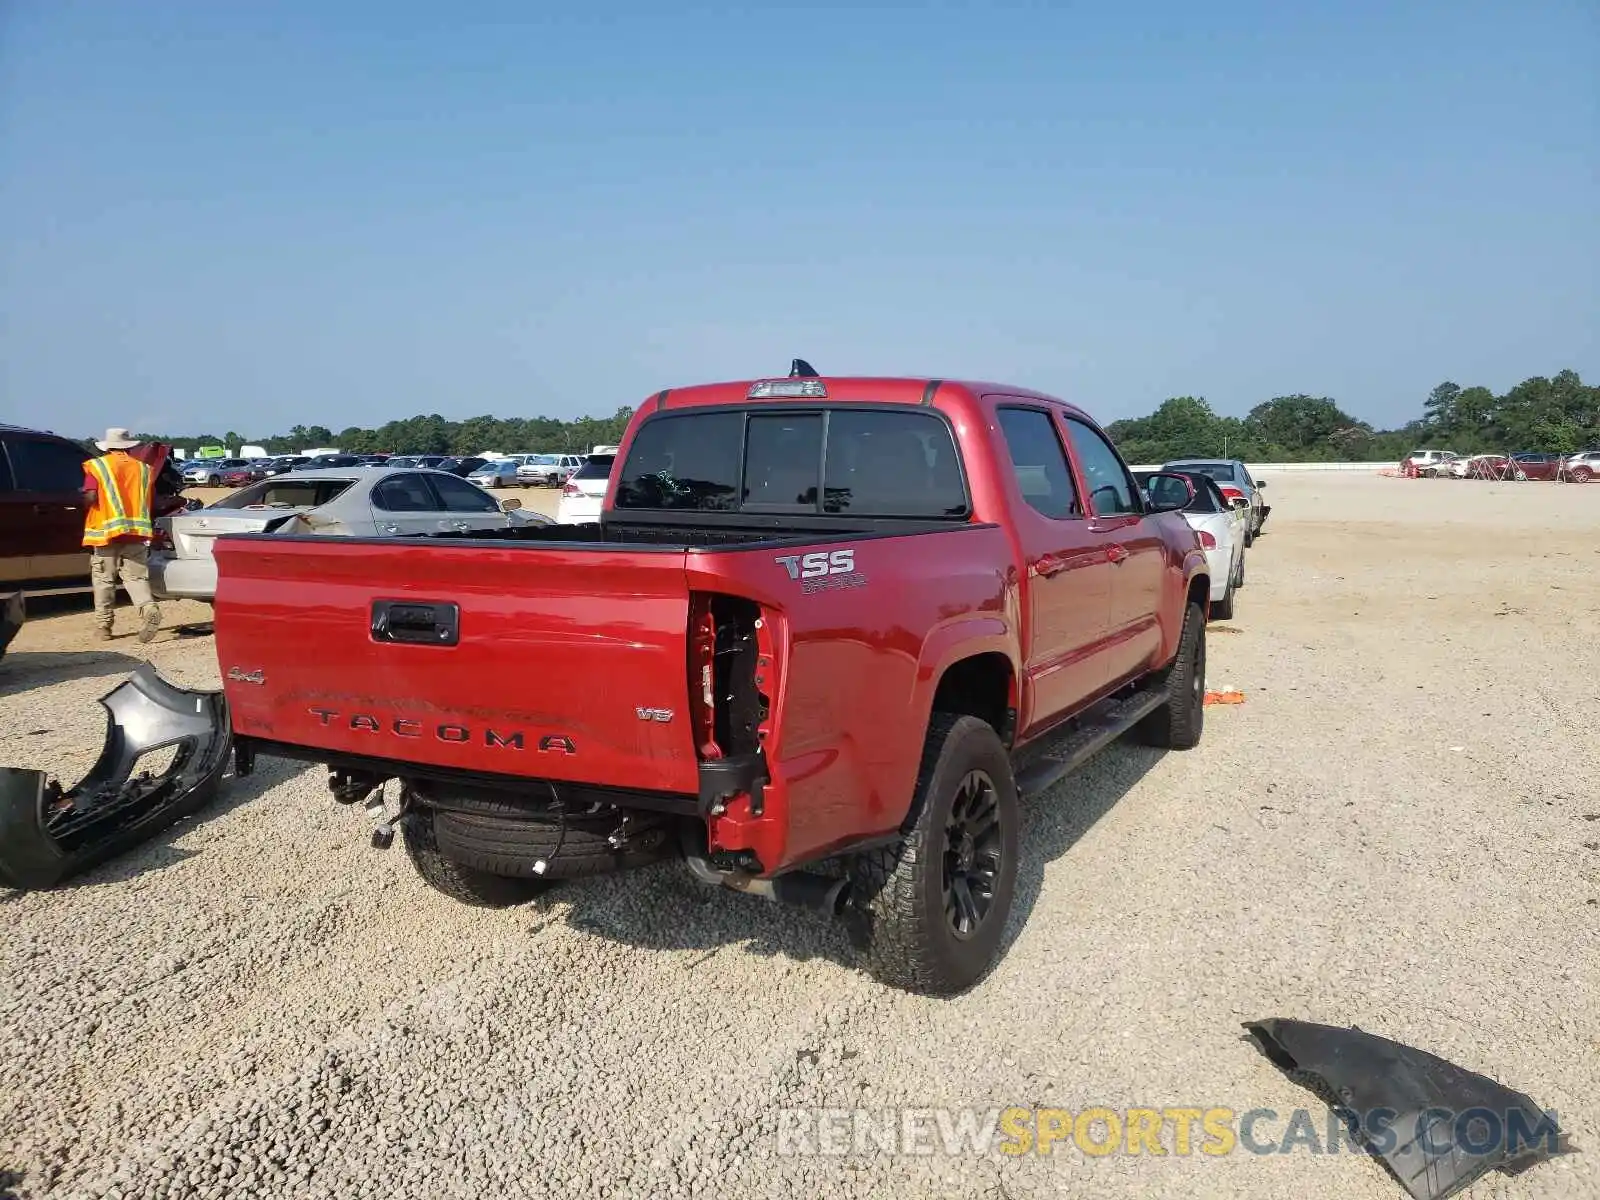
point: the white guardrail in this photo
(1264, 469)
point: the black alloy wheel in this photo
(973, 854)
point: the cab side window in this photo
(1111, 489)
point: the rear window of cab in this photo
(860, 462)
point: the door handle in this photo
(1049, 564)
(388, 527)
(1116, 554)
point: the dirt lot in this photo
(1399, 829)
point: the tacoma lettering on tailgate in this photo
(444, 731)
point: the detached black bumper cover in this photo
(47, 835)
(1436, 1126)
(12, 615)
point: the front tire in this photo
(477, 888)
(213, 480)
(932, 909)
(1178, 723)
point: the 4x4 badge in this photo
(653, 714)
(257, 676)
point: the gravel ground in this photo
(1398, 829)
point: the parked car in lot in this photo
(968, 572)
(1528, 465)
(208, 472)
(585, 491)
(1218, 524)
(417, 460)
(353, 502)
(1429, 462)
(1234, 481)
(499, 473)
(283, 464)
(550, 470)
(1583, 466)
(461, 467)
(41, 512)
(324, 462)
(246, 473)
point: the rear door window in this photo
(1039, 462)
(855, 462)
(42, 465)
(457, 495)
(406, 493)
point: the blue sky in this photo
(220, 216)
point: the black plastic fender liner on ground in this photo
(1434, 1125)
(48, 835)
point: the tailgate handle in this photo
(424, 624)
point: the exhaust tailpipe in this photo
(799, 889)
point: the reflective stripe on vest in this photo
(122, 500)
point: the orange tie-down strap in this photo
(1225, 697)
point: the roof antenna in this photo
(801, 369)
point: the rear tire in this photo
(1178, 723)
(1582, 474)
(466, 884)
(931, 910)
(1222, 610)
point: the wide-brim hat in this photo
(118, 439)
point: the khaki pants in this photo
(129, 561)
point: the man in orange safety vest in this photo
(118, 487)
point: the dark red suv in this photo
(41, 512)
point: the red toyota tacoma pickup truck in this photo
(822, 623)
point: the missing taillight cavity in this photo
(728, 706)
(738, 712)
(1207, 541)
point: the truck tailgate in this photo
(546, 662)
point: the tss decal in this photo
(818, 563)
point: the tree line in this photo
(1557, 414)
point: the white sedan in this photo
(1220, 526)
(353, 502)
(585, 492)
